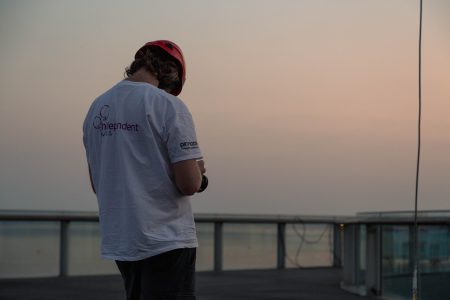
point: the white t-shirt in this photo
(132, 134)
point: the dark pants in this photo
(167, 276)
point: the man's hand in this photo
(201, 166)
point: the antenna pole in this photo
(415, 291)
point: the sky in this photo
(301, 107)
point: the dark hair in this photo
(160, 64)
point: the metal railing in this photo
(361, 240)
(218, 220)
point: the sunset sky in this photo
(301, 107)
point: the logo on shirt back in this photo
(109, 128)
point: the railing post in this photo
(281, 245)
(373, 278)
(63, 248)
(218, 246)
(349, 271)
(337, 245)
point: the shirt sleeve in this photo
(181, 139)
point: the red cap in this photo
(175, 52)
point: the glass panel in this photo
(249, 246)
(434, 249)
(84, 250)
(29, 249)
(434, 265)
(396, 267)
(205, 250)
(309, 245)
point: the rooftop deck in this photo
(304, 284)
(378, 243)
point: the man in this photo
(144, 162)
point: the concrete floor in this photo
(301, 284)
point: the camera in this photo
(204, 184)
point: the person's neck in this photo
(142, 75)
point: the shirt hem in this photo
(187, 157)
(149, 253)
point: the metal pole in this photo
(281, 248)
(218, 246)
(415, 288)
(63, 249)
(337, 260)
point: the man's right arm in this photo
(188, 175)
